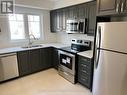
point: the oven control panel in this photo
(81, 42)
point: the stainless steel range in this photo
(67, 58)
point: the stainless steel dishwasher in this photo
(8, 66)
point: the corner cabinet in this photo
(111, 7)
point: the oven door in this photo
(67, 62)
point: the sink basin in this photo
(32, 46)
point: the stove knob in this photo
(80, 41)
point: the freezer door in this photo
(110, 77)
(114, 36)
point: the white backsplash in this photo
(66, 38)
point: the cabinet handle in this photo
(83, 65)
(117, 7)
(122, 7)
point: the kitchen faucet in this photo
(30, 40)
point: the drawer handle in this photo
(66, 73)
(84, 71)
(86, 60)
(84, 79)
(83, 65)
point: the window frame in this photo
(26, 28)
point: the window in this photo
(34, 25)
(22, 25)
(16, 22)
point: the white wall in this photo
(66, 38)
(5, 37)
(65, 3)
(42, 4)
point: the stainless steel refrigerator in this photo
(110, 64)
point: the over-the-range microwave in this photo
(76, 26)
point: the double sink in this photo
(32, 46)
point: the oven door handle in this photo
(66, 53)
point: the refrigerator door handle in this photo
(98, 48)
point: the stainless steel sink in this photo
(32, 46)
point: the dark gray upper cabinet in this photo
(55, 58)
(73, 12)
(53, 21)
(59, 18)
(91, 18)
(111, 7)
(65, 14)
(108, 7)
(56, 21)
(124, 6)
(83, 11)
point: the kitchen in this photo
(63, 41)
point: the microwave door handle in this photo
(78, 27)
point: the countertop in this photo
(17, 49)
(88, 54)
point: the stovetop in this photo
(68, 49)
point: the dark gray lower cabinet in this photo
(85, 71)
(46, 58)
(32, 61)
(23, 63)
(55, 58)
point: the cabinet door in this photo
(53, 21)
(23, 63)
(73, 12)
(59, 20)
(65, 12)
(55, 58)
(108, 7)
(124, 6)
(46, 57)
(34, 60)
(83, 11)
(92, 18)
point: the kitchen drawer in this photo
(84, 79)
(84, 59)
(84, 65)
(85, 71)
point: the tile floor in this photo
(43, 83)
